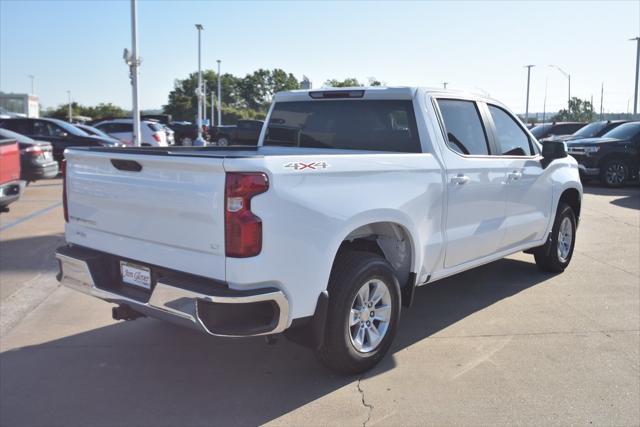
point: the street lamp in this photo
(444, 84)
(199, 140)
(32, 77)
(526, 113)
(568, 76)
(70, 112)
(635, 97)
(219, 95)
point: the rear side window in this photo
(511, 139)
(153, 126)
(121, 127)
(376, 125)
(465, 132)
(19, 126)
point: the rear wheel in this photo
(187, 142)
(614, 173)
(363, 313)
(555, 255)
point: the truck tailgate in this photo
(169, 213)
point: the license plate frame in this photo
(136, 275)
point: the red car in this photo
(10, 184)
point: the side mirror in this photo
(64, 135)
(552, 150)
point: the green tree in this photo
(252, 93)
(580, 110)
(375, 82)
(348, 82)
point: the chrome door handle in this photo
(514, 176)
(460, 179)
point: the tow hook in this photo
(124, 312)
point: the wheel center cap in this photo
(364, 315)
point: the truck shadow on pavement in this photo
(625, 197)
(149, 372)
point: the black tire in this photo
(547, 256)
(614, 173)
(224, 141)
(351, 271)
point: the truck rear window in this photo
(378, 125)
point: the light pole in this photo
(213, 103)
(199, 141)
(526, 114)
(32, 77)
(568, 76)
(133, 61)
(444, 84)
(70, 112)
(635, 96)
(204, 102)
(219, 95)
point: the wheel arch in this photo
(392, 239)
(573, 198)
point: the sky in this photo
(476, 46)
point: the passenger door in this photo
(529, 194)
(476, 191)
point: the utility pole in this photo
(32, 77)
(219, 95)
(134, 62)
(199, 141)
(601, 100)
(544, 103)
(526, 114)
(568, 76)
(70, 111)
(635, 97)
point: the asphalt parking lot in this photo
(501, 344)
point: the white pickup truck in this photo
(352, 199)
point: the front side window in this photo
(375, 125)
(511, 139)
(463, 125)
(42, 128)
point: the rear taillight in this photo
(157, 137)
(63, 169)
(33, 151)
(243, 229)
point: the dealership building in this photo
(22, 104)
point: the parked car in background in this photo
(545, 130)
(352, 199)
(592, 130)
(10, 184)
(244, 132)
(97, 132)
(36, 157)
(184, 133)
(151, 133)
(60, 134)
(613, 158)
(171, 135)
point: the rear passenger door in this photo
(528, 185)
(476, 190)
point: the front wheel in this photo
(223, 142)
(363, 313)
(614, 173)
(555, 255)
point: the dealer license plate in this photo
(136, 275)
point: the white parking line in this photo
(30, 216)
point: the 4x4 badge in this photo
(303, 165)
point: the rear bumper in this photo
(203, 304)
(10, 192)
(33, 172)
(584, 170)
